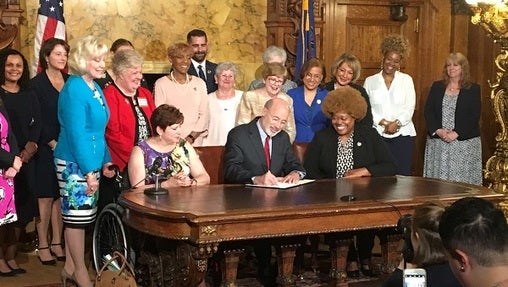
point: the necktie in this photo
(201, 73)
(267, 151)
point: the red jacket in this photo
(122, 127)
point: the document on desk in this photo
(282, 185)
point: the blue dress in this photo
(83, 115)
(308, 119)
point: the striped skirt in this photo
(78, 208)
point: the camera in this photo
(404, 227)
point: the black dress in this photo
(24, 114)
(45, 175)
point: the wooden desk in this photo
(205, 216)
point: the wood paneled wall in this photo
(434, 31)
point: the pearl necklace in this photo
(174, 80)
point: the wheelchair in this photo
(109, 234)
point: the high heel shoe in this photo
(59, 258)
(46, 262)
(7, 274)
(16, 270)
(66, 277)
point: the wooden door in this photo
(358, 27)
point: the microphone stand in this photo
(157, 190)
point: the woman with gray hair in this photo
(130, 107)
(273, 54)
(222, 105)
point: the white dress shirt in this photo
(395, 103)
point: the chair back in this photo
(212, 158)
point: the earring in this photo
(462, 268)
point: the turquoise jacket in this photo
(83, 115)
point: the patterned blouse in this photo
(344, 156)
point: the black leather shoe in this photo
(46, 262)
(17, 270)
(7, 274)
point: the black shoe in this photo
(59, 258)
(7, 274)
(46, 262)
(16, 270)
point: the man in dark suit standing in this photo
(200, 67)
(260, 152)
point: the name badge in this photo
(143, 102)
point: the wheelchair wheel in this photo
(109, 234)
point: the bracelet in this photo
(191, 137)
(398, 123)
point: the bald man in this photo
(260, 152)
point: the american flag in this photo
(50, 23)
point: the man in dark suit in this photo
(200, 67)
(260, 152)
(245, 160)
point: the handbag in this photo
(124, 277)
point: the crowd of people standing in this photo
(64, 136)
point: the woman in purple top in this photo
(179, 163)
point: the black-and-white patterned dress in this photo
(459, 160)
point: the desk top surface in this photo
(218, 213)
(229, 201)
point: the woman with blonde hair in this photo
(453, 150)
(81, 152)
(345, 72)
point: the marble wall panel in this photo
(235, 28)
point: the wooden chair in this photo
(299, 150)
(212, 158)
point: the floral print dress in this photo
(7, 208)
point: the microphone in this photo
(157, 162)
(154, 171)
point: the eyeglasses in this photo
(275, 81)
(313, 76)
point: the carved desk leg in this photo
(285, 260)
(230, 267)
(390, 252)
(314, 246)
(338, 254)
(199, 258)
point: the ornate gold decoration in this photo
(493, 17)
(209, 230)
